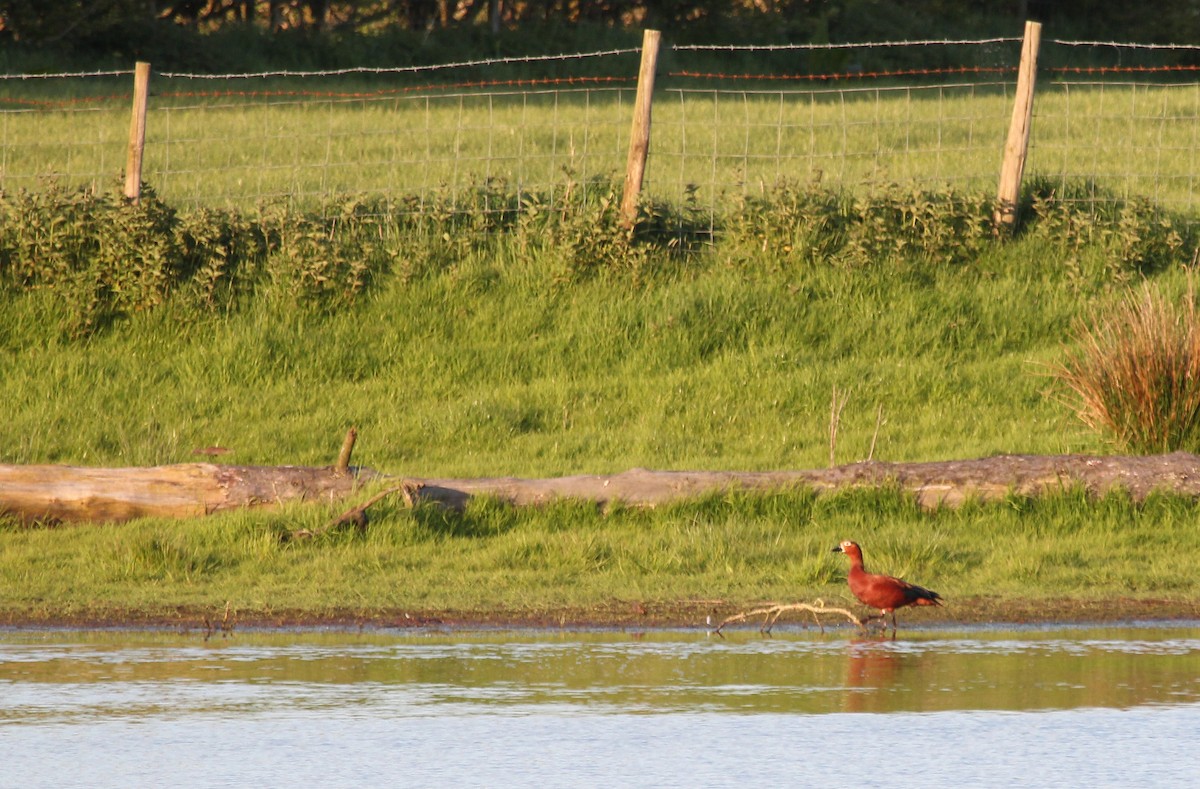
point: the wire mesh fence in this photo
(1102, 140)
(311, 150)
(718, 143)
(310, 139)
(1110, 120)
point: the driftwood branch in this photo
(357, 516)
(343, 461)
(51, 494)
(771, 614)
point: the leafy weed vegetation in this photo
(499, 333)
(86, 260)
(103, 258)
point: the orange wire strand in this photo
(507, 83)
(556, 81)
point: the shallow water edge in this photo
(613, 614)
(943, 705)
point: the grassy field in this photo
(556, 346)
(319, 141)
(494, 366)
(1065, 558)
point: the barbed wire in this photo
(586, 55)
(860, 45)
(585, 80)
(68, 75)
(921, 43)
(596, 54)
(1123, 45)
(442, 132)
(403, 69)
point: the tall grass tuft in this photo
(1136, 372)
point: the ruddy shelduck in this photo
(883, 592)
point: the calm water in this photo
(1024, 707)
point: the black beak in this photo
(837, 549)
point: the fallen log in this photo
(933, 484)
(76, 494)
(57, 494)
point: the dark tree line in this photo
(65, 23)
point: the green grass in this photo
(491, 367)
(710, 141)
(491, 363)
(733, 551)
(544, 344)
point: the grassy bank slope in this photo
(506, 357)
(1066, 558)
(505, 362)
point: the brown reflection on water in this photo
(1034, 673)
(871, 671)
(457, 673)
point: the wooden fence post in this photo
(137, 133)
(1017, 146)
(639, 135)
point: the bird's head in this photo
(848, 547)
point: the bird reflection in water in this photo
(873, 669)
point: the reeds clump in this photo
(1136, 372)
